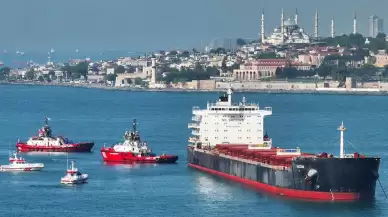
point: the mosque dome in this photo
(289, 22)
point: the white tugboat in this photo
(73, 176)
(19, 164)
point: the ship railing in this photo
(260, 146)
(195, 132)
(193, 139)
(195, 118)
(193, 125)
(210, 104)
(295, 151)
(196, 108)
(268, 109)
(348, 155)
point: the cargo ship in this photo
(46, 142)
(228, 140)
(133, 150)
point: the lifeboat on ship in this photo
(45, 142)
(134, 150)
(19, 164)
(73, 176)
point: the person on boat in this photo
(266, 137)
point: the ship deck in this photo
(265, 156)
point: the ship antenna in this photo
(134, 125)
(342, 129)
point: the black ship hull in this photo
(306, 178)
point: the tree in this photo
(224, 68)
(173, 53)
(185, 54)
(67, 70)
(381, 35)
(195, 51)
(270, 55)
(120, 69)
(41, 78)
(82, 69)
(138, 81)
(110, 77)
(240, 42)
(30, 74)
(5, 72)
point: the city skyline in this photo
(172, 24)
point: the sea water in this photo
(306, 121)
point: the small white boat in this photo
(73, 176)
(19, 164)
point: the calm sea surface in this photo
(305, 121)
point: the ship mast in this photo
(342, 129)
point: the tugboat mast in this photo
(342, 129)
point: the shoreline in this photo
(267, 91)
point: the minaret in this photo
(316, 24)
(296, 17)
(262, 28)
(332, 27)
(355, 24)
(282, 25)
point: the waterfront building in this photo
(258, 69)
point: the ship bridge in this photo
(225, 122)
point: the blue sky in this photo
(147, 25)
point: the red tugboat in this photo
(134, 150)
(45, 142)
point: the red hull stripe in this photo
(284, 191)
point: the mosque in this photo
(289, 31)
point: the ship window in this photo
(225, 137)
(239, 130)
(248, 130)
(216, 137)
(225, 130)
(230, 109)
(232, 116)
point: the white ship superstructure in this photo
(223, 122)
